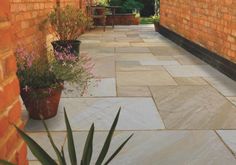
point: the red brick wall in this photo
(209, 23)
(19, 22)
(12, 147)
(27, 15)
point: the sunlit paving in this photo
(120, 82)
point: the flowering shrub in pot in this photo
(41, 77)
(67, 24)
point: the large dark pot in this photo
(44, 105)
(157, 26)
(73, 46)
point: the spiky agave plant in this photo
(45, 159)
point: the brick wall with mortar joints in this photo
(12, 147)
(209, 23)
(19, 20)
(27, 15)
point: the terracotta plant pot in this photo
(46, 105)
(157, 26)
(136, 21)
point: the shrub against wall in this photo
(211, 24)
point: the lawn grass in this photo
(146, 20)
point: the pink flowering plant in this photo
(48, 70)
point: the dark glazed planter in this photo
(157, 26)
(73, 46)
(45, 106)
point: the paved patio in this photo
(181, 110)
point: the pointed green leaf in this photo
(4, 162)
(59, 157)
(107, 143)
(88, 148)
(63, 155)
(70, 141)
(118, 150)
(38, 152)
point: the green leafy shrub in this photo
(102, 2)
(45, 159)
(156, 18)
(127, 6)
(130, 5)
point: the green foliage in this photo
(156, 18)
(127, 6)
(116, 2)
(102, 2)
(130, 5)
(146, 20)
(157, 7)
(45, 159)
(67, 22)
(48, 70)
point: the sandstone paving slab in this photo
(42, 139)
(229, 138)
(148, 35)
(161, 147)
(144, 78)
(156, 40)
(165, 58)
(98, 50)
(140, 91)
(95, 56)
(97, 88)
(193, 71)
(159, 62)
(150, 44)
(34, 163)
(134, 56)
(132, 50)
(189, 60)
(232, 100)
(126, 39)
(90, 45)
(194, 107)
(115, 44)
(132, 35)
(124, 66)
(170, 147)
(137, 114)
(168, 50)
(105, 67)
(87, 41)
(190, 81)
(223, 84)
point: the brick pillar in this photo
(12, 147)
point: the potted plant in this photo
(44, 158)
(67, 24)
(156, 22)
(41, 79)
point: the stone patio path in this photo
(181, 110)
